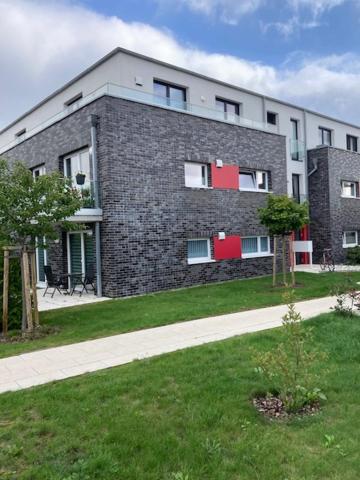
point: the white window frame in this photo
(41, 169)
(350, 245)
(259, 253)
(201, 166)
(342, 189)
(77, 154)
(208, 259)
(255, 177)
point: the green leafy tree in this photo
(31, 208)
(282, 216)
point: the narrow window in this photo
(198, 250)
(73, 99)
(271, 118)
(325, 136)
(294, 141)
(352, 143)
(196, 175)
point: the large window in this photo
(349, 189)
(196, 175)
(199, 250)
(255, 246)
(231, 109)
(325, 136)
(253, 181)
(352, 143)
(170, 95)
(350, 239)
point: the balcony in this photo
(297, 150)
(88, 212)
(141, 97)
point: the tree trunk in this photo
(5, 294)
(274, 261)
(284, 261)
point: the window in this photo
(78, 162)
(294, 142)
(352, 143)
(38, 171)
(20, 135)
(196, 175)
(253, 180)
(255, 246)
(271, 118)
(199, 250)
(230, 109)
(73, 99)
(349, 189)
(296, 187)
(170, 95)
(325, 136)
(350, 239)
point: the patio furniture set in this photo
(66, 284)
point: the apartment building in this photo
(174, 168)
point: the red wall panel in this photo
(228, 248)
(304, 235)
(225, 177)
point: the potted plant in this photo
(80, 178)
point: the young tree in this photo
(283, 216)
(33, 208)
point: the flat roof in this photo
(174, 67)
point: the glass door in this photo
(80, 252)
(41, 260)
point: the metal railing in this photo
(142, 97)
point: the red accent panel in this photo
(304, 235)
(225, 177)
(228, 248)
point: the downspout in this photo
(94, 164)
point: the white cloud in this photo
(44, 44)
(227, 11)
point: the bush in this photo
(15, 293)
(290, 367)
(353, 256)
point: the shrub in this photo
(15, 293)
(290, 366)
(353, 256)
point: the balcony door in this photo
(80, 248)
(294, 139)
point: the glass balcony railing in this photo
(142, 97)
(88, 192)
(297, 150)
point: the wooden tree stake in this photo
(5, 318)
(274, 261)
(33, 288)
(27, 296)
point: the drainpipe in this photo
(94, 164)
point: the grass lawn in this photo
(187, 412)
(124, 315)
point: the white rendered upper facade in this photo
(135, 77)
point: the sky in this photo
(303, 51)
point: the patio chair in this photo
(52, 281)
(89, 279)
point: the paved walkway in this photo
(30, 369)
(315, 268)
(61, 301)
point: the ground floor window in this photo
(41, 260)
(350, 239)
(80, 248)
(255, 246)
(198, 250)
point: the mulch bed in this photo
(273, 408)
(19, 337)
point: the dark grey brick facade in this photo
(331, 214)
(148, 213)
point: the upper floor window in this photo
(271, 118)
(73, 99)
(196, 175)
(198, 250)
(170, 95)
(352, 143)
(294, 141)
(20, 135)
(38, 171)
(254, 180)
(230, 109)
(349, 189)
(77, 168)
(325, 136)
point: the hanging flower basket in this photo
(80, 178)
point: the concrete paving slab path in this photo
(44, 366)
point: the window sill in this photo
(353, 245)
(199, 188)
(256, 255)
(198, 262)
(254, 190)
(347, 196)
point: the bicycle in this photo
(327, 261)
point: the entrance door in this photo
(80, 252)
